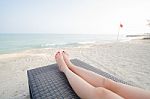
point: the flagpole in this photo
(118, 33)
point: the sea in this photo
(14, 42)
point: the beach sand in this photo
(129, 61)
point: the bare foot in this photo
(60, 61)
(67, 59)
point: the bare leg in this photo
(80, 86)
(91, 77)
(96, 80)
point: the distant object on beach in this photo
(143, 36)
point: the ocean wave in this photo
(49, 44)
(67, 44)
(88, 42)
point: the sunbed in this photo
(48, 82)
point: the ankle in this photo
(70, 64)
(71, 67)
(65, 70)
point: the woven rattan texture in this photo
(49, 83)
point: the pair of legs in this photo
(89, 85)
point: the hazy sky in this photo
(74, 16)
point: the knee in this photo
(99, 92)
(107, 83)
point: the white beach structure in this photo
(143, 36)
(146, 36)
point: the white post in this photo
(118, 33)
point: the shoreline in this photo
(59, 45)
(127, 60)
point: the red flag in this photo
(121, 25)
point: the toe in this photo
(64, 52)
(56, 55)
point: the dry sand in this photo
(129, 61)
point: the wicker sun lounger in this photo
(49, 83)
